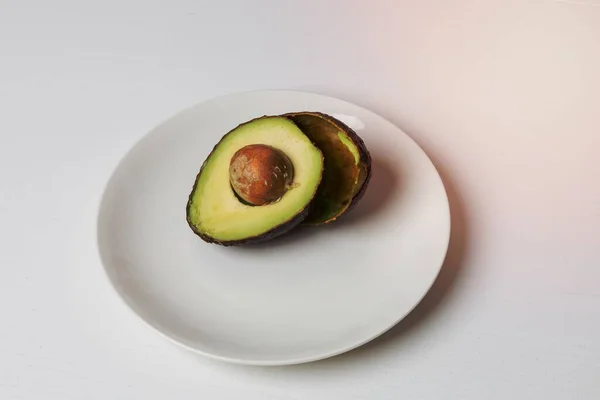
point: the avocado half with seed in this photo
(347, 165)
(257, 183)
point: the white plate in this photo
(306, 296)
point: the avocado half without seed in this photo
(257, 183)
(347, 165)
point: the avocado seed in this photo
(260, 174)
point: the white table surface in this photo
(503, 95)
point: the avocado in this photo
(347, 165)
(257, 183)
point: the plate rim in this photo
(243, 361)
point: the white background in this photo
(503, 95)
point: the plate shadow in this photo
(440, 292)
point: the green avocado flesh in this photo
(346, 170)
(215, 213)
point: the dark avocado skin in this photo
(365, 161)
(271, 234)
